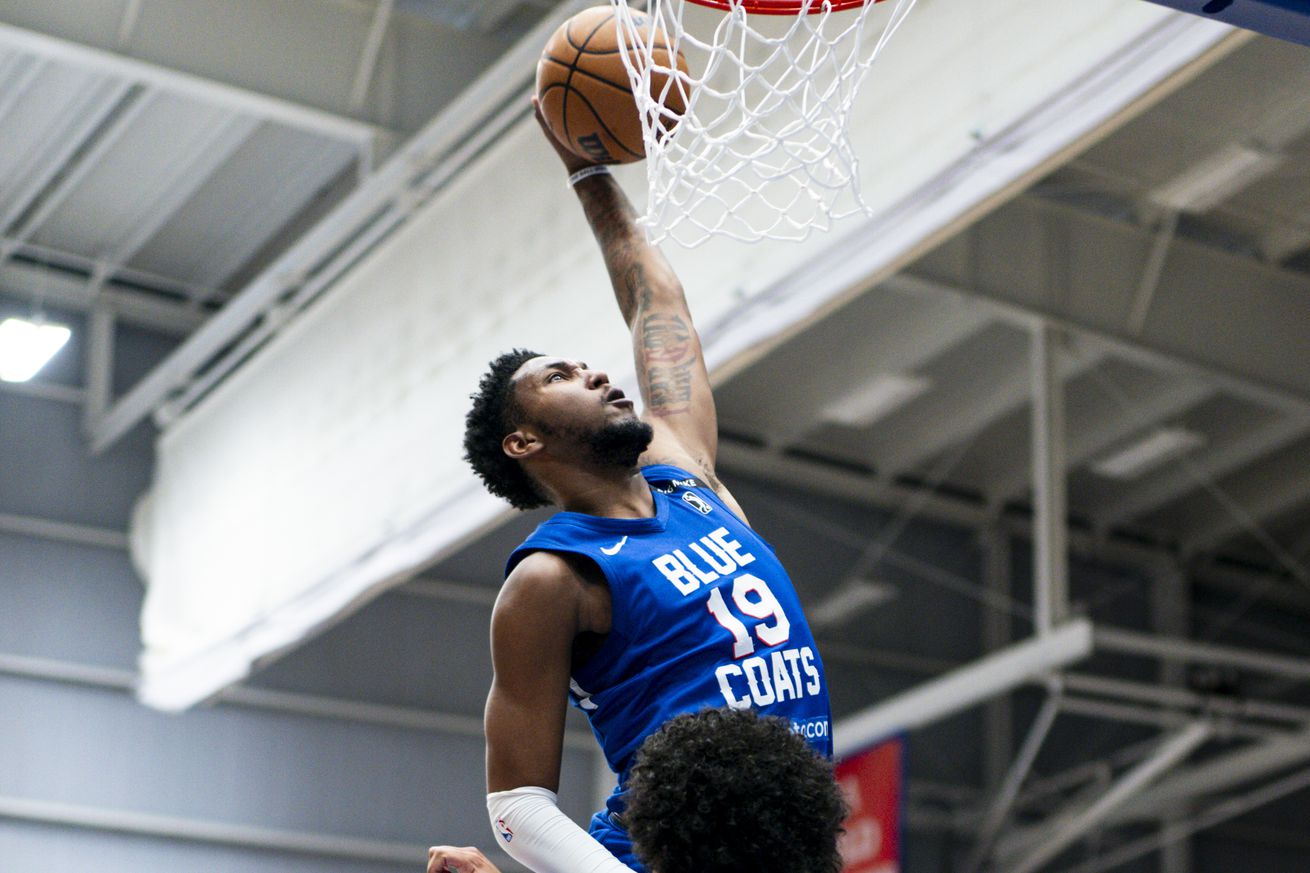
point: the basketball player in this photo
(648, 595)
(694, 805)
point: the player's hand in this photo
(449, 859)
(572, 163)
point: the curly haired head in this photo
(728, 791)
(493, 415)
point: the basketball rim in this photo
(783, 7)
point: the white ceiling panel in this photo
(49, 110)
(269, 179)
(154, 160)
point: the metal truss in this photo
(1152, 781)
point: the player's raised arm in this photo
(670, 368)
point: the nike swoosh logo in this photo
(614, 549)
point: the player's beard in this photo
(612, 444)
(620, 443)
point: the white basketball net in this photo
(762, 150)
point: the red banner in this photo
(871, 783)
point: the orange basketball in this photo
(584, 90)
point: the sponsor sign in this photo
(872, 783)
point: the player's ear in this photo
(521, 444)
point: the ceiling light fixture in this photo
(1148, 453)
(1213, 180)
(875, 399)
(26, 346)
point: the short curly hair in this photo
(729, 791)
(494, 414)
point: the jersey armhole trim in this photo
(617, 608)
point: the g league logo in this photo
(697, 502)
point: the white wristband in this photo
(587, 173)
(532, 830)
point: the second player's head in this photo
(729, 791)
(537, 413)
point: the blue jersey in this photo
(703, 615)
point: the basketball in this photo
(585, 94)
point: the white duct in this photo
(964, 687)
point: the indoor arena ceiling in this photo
(160, 155)
(941, 355)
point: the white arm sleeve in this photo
(531, 829)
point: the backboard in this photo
(1285, 19)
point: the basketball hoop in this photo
(761, 151)
(782, 7)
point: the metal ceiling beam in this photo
(1261, 494)
(368, 58)
(1209, 817)
(1081, 779)
(1178, 479)
(127, 23)
(1145, 715)
(98, 366)
(67, 177)
(1084, 442)
(245, 837)
(1065, 829)
(998, 811)
(1220, 775)
(56, 288)
(1193, 323)
(45, 391)
(1216, 776)
(259, 105)
(1050, 493)
(1237, 708)
(82, 118)
(62, 531)
(997, 632)
(963, 408)
(55, 262)
(1112, 639)
(1171, 615)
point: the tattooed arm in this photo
(670, 367)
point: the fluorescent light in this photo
(851, 597)
(1209, 182)
(1148, 453)
(875, 399)
(26, 346)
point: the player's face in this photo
(568, 397)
